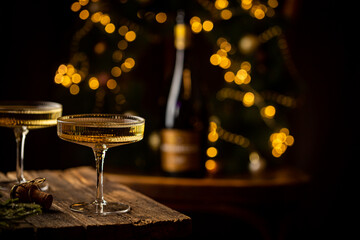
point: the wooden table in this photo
(147, 219)
(266, 204)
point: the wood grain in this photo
(147, 219)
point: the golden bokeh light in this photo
(116, 72)
(66, 81)
(229, 76)
(226, 14)
(123, 30)
(211, 152)
(130, 36)
(268, 111)
(110, 28)
(94, 83)
(111, 84)
(75, 7)
(221, 4)
(210, 165)
(196, 27)
(161, 17)
(215, 59)
(208, 25)
(62, 69)
(249, 99)
(279, 141)
(194, 20)
(95, 18)
(74, 89)
(58, 78)
(84, 14)
(105, 19)
(83, 2)
(129, 63)
(76, 78)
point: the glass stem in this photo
(20, 134)
(99, 152)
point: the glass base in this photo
(100, 209)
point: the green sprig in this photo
(12, 210)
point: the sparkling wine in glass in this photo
(100, 132)
(23, 116)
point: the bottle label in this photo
(180, 150)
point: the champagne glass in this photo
(100, 132)
(23, 116)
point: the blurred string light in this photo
(239, 73)
(77, 73)
(71, 75)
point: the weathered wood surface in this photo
(147, 219)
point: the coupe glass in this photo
(23, 116)
(100, 132)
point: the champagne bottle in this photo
(184, 136)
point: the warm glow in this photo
(111, 84)
(130, 36)
(196, 27)
(225, 63)
(62, 69)
(76, 78)
(208, 25)
(75, 7)
(221, 4)
(105, 19)
(226, 46)
(211, 152)
(289, 140)
(229, 76)
(226, 14)
(273, 3)
(74, 89)
(94, 83)
(83, 2)
(109, 28)
(66, 81)
(123, 30)
(215, 59)
(248, 99)
(246, 66)
(84, 14)
(268, 111)
(213, 136)
(194, 20)
(280, 141)
(96, 17)
(58, 79)
(241, 74)
(129, 63)
(210, 165)
(116, 71)
(161, 17)
(259, 13)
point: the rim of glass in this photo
(134, 120)
(15, 105)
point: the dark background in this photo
(35, 38)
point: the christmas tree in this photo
(120, 54)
